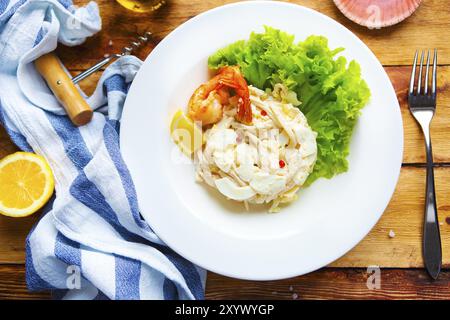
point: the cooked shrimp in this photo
(207, 102)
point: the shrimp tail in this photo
(231, 77)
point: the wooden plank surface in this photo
(331, 283)
(404, 216)
(414, 148)
(431, 22)
(394, 47)
(12, 284)
(327, 283)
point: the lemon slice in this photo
(26, 184)
(186, 134)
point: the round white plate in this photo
(330, 217)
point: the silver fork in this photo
(422, 105)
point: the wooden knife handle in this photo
(65, 91)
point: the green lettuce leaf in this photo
(331, 90)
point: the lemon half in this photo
(185, 133)
(26, 184)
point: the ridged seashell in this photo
(375, 14)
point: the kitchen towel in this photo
(92, 243)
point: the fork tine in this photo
(413, 74)
(419, 80)
(434, 80)
(427, 71)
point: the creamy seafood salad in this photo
(265, 162)
(276, 117)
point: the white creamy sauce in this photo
(262, 163)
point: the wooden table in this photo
(400, 259)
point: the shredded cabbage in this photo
(332, 92)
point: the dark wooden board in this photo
(330, 283)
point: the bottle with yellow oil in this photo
(142, 5)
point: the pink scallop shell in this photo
(375, 14)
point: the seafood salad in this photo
(276, 117)
(258, 148)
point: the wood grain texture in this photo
(414, 147)
(6, 146)
(404, 215)
(13, 286)
(327, 283)
(331, 283)
(391, 45)
(13, 233)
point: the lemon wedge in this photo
(186, 134)
(26, 184)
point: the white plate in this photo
(330, 217)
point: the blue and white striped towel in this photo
(93, 237)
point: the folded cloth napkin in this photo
(92, 243)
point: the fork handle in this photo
(432, 250)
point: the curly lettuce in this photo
(331, 91)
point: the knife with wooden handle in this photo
(64, 89)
